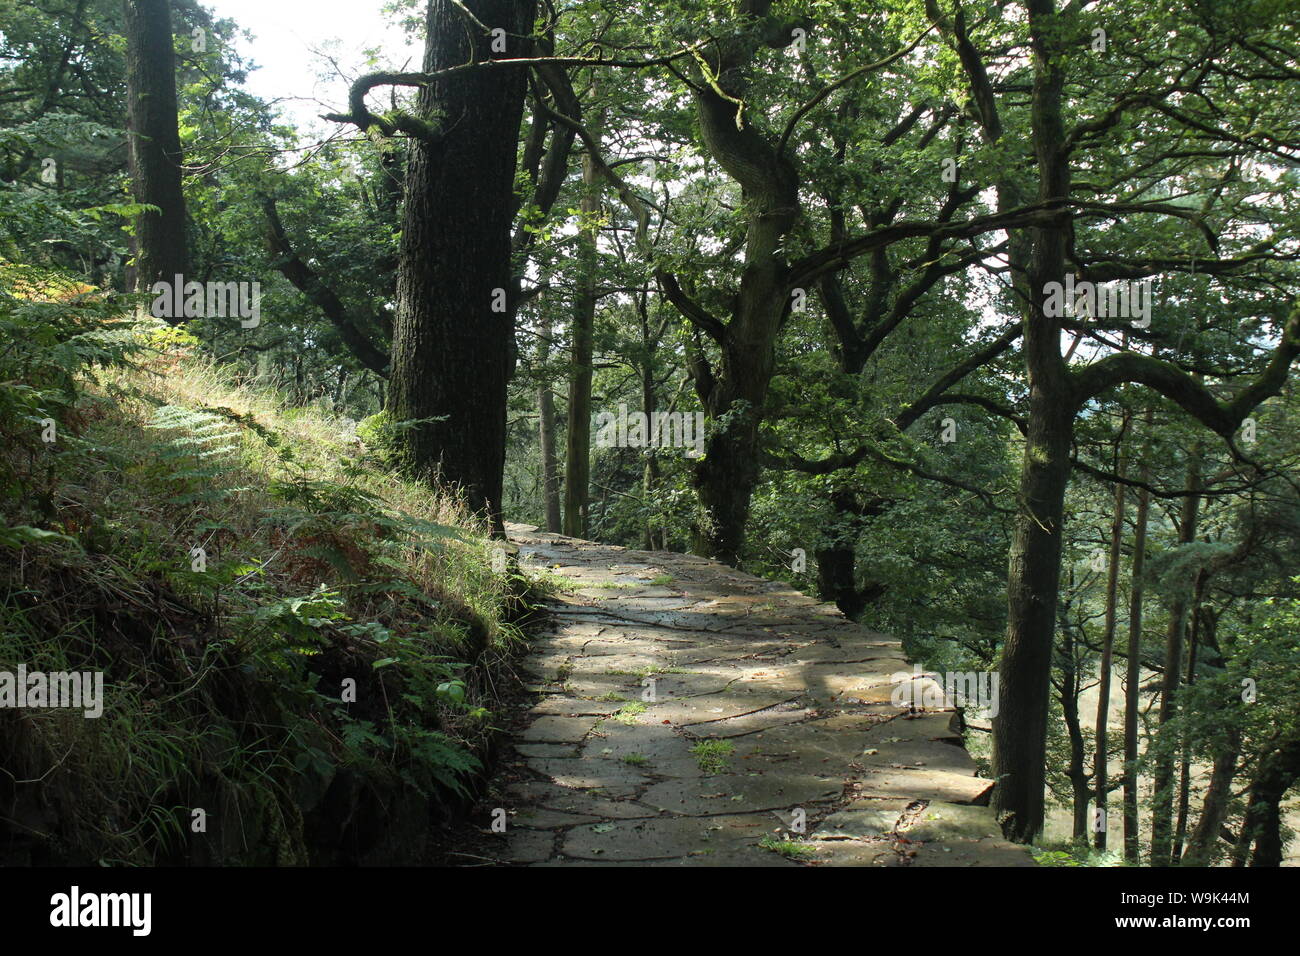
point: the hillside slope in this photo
(300, 653)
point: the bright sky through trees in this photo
(292, 40)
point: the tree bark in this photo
(546, 434)
(1278, 771)
(1076, 773)
(1185, 768)
(1034, 565)
(1162, 797)
(1214, 808)
(1133, 673)
(577, 459)
(1101, 776)
(453, 334)
(154, 144)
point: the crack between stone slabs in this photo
(806, 719)
(539, 777)
(657, 625)
(748, 713)
(598, 610)
(704, 693)
(651, 814)
(824, 803)
(657, 640)
(758, 656)
(866, 660)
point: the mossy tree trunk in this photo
(453, 334)
(154, 143)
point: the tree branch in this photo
(1189, 394)
(306, 281)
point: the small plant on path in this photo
(790, 849)
(713, 756)
(627, 714)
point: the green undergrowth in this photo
(302, 652)
(1076, 854)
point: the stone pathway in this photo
(692, 715)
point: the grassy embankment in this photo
(302, 652)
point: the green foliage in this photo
(226, 693)
(713, 756)
(790, 849)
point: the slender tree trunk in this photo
(649, 404)
(577, 458)
(453, 335)
(1070, 712)
(1185, 768)
(546, 435)
(155, 145)
(1162, 779)
(1101, 776)
(1133, 673)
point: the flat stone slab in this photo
(950, 821)
(689, 714)
(972, 853)
(537, 818)
(857, 825)
(666, 838)
(920, 784)
(569, 730)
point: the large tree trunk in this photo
(837, 578)
(1278, 771)
(1162, 797)
(726, 478)
(1034, 566)
(155, 144)
(1101, 777)
(1214, 808)
(734, 396)
(1034, 571)
(452, 348)
(1133, 672)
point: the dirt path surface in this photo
(692, 715)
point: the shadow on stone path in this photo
(692, 715)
